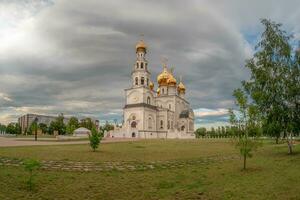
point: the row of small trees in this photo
(56, 125)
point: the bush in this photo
(95, 139)
(31, 165)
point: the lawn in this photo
(271, 174)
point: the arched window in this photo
(142, 65)
(148, 100)
(133, 124)
(182, 128)
(150, 123)
(168, 124)
(142, 81)
(161, 124)
(147, 81)
(137, 65)
(169, 106)
(163, 91)
(136, 80)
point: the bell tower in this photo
(140, 73)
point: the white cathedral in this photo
(164, 113)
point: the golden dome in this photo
(151, 85)
(141, 45)
(181, 87)
(171, 81)
(162, 78)
(158, 91)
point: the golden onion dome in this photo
(151, 85)
(141, 45)
(162, 78)
(158, 91)
(181, 87)
(171, 81)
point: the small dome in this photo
(158, 91)
(151, 85)
(181, 88)
(141, 45)
(162, 78)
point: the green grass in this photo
(271, 174)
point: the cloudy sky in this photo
(75, 57)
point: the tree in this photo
(43, 127)
(274, 82)
(200, 132)
(247, 122)
(2, 128)
(87, 123)
(58, 125)
(95, 139)
(33, 127)
(72, 125)
(10, 129)
(31, 165)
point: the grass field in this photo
(271, 174)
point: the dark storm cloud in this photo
(76, 56)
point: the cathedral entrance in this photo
(133, 134)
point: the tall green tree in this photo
(10, 129)
(247, 120)
(87, 123)
(95, 138)
(274, 82)
(43, 127)
(72, 125)
(58, 125)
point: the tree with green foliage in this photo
(274, 83)
(95, 139)
(43, 127)
(2, 128)
(33, 128)
(107, 126)
(58, 125)
(31, 166)
(200, 132)
(87, 123)
(11, 129)
(72, 125)
(247, 121)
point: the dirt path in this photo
(12, 142)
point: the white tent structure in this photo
(81, 132)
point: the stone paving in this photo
(116, 166)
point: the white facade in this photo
(164, 113)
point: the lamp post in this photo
(35, 128)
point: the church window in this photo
(147, 81)
(163, 91)
(170, 106)
(161, 124)
(168, 124)
(142, 65)
(133, 124)
(142, 81)
(148, 100)
(136, 80)
(150, 123)
(137, 65)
